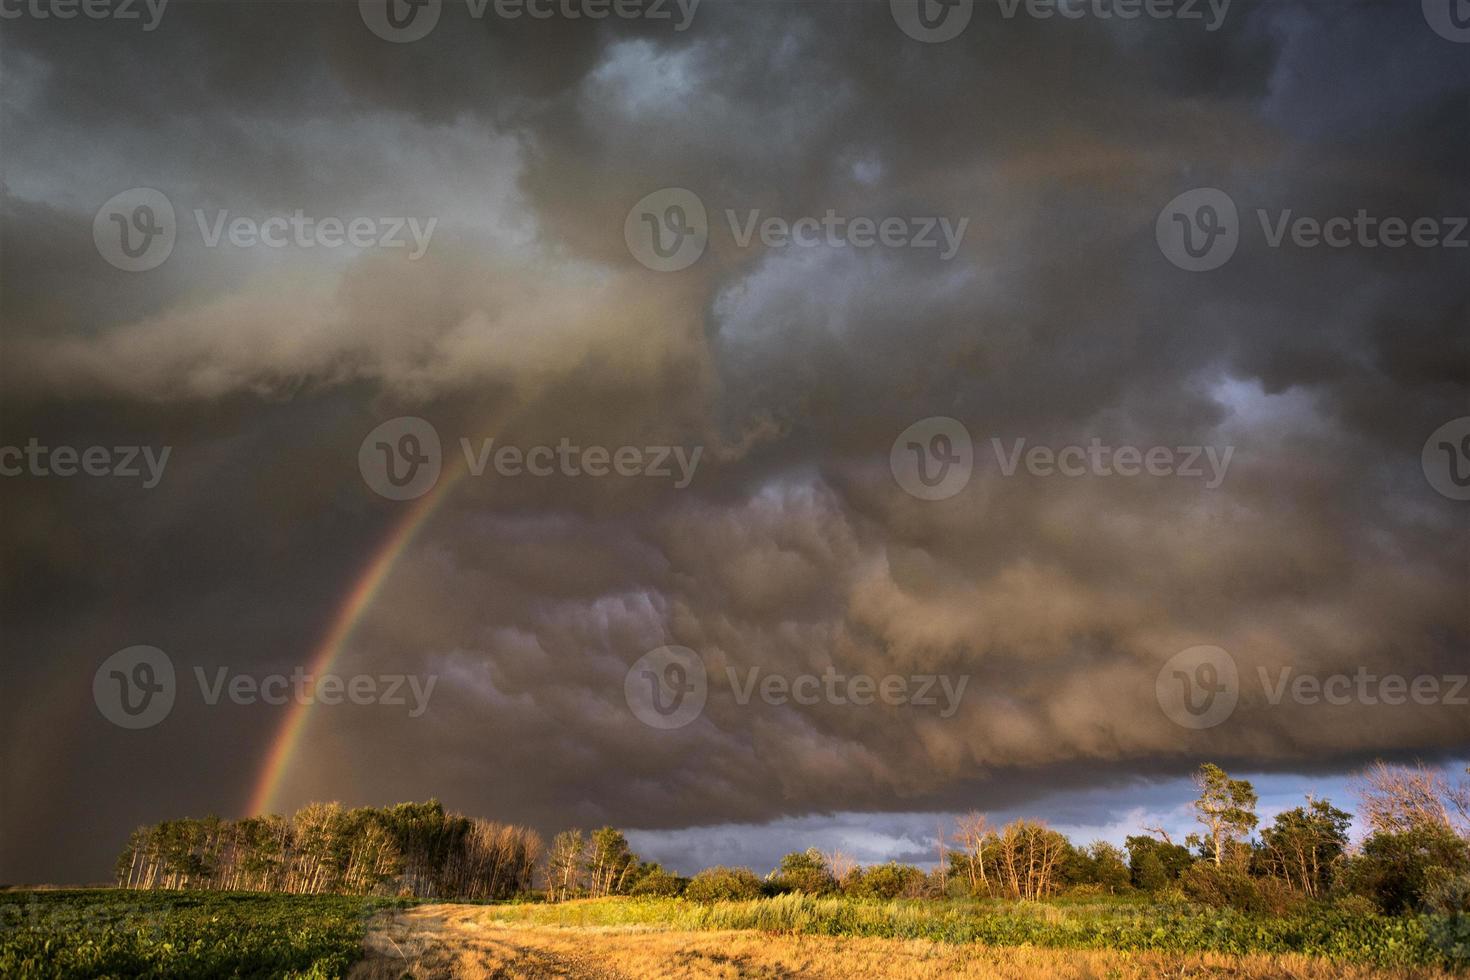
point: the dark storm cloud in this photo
(793, 550)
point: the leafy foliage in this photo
(1398, 870)
(723, 884)
(411, 848)
(805, 872)
(67, 934)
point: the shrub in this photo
(1154, 864)
(1278, 897)
(723, 884)
(1398, 871)
(805, 872)
(1449, 895)
(658, 883)
(886, 881)
(1222, 886)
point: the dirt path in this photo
(465, 941)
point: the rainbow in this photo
(359, 599)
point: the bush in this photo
(1399, 871)
(886, 881)
(723, 884)
(1222, 886)
(1355, 906)
(1449, 895)
(805, 872)
(658, 883)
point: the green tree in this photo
(806, 872)
(1226, 808)
(652, 879)
(886, 881)
(1302, 846)
(609, 862)
(1398, 870)
(1155, 864)
(723, 884)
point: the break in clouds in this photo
(504, 156)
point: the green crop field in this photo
(108, 933)
(111, 933)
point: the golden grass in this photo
(464, 941)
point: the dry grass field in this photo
(466, 941)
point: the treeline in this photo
(1416, 856)
(409, 849)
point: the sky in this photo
(749, 424)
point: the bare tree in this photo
(943, 868)
(1160, 833)
(840, 864)
(972, 832)
(1396, 799)
(1027, 856)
